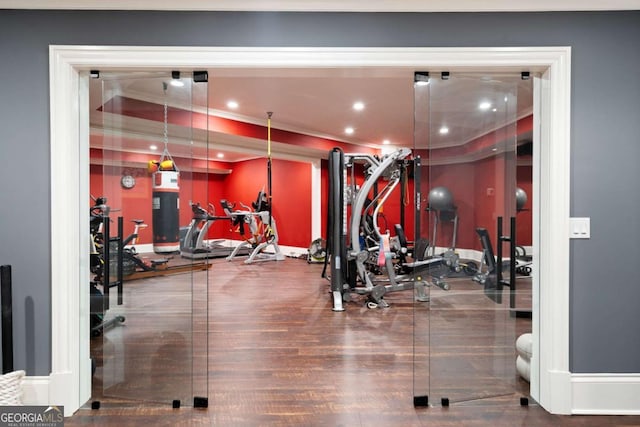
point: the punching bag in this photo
(166, 224)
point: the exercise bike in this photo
(262, 227)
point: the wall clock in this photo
(127, 181)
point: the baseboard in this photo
(293, 251)
(605, 394)
(142, 248)
(41, 390)
(290, 251)
(35, 390)
(591, 394)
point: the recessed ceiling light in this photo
(386, 142)
(484, 105)
(220, 155)
(232, 104)
(153, 147)
(177, 83)
(444, 130)
(494, 110)
(358, 106)
(349, 130)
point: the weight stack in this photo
(166, 211)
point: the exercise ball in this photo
(521, 198)
(440, 199)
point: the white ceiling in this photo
(315, 102)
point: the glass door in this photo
(465, 335)
(148, 174)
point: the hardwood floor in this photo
(277, 355)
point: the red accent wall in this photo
(478, 191)
(459, 179)
(291, 197)
(475, 186)
(135, 203)
(469, 183)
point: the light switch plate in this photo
(580, 228)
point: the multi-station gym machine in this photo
(364, 259)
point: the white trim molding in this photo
(316, 200)
(329, 5)
(605, 394)
(35, 391)
(551, 295)
(69, 181)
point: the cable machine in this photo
(364, 259)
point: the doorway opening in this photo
(69, 63)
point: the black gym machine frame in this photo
(100, 301)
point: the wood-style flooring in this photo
(277, 355)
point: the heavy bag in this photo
(165, 205)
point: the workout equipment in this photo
(194, 245)
(364, 259)
(440, 199)
(162, 268)
(262, 227)
(166, 197)
(153, 166)
(103, 263)
(491, 270)
(317, 251)
(524, 261)
(521, 199)
(442, 210)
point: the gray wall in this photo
(605, 293)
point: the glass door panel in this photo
(465, 336)
(148, 165)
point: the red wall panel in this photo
(291, 187)
(135, 203)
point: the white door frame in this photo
(70, 384)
